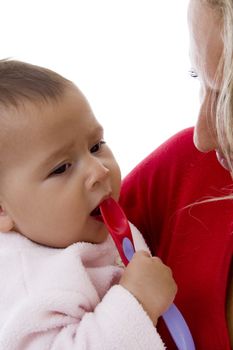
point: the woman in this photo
(180, 196)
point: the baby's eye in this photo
(97, 146)
(61, 169)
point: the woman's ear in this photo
(6, 223)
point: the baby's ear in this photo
(6, 223)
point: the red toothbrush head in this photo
(118, 226)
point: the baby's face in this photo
(58, 170)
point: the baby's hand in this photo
(151, 282)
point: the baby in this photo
(61, 284)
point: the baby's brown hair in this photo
(20, 81)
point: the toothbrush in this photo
(118, 226)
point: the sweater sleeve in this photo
(68, 299)
(117, 322)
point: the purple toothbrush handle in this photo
(172, 317)
(128, 248)
(178, 328)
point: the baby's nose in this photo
(97, 174)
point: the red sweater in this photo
(196, 242)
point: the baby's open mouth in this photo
(96, 214)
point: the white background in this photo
(129, 57)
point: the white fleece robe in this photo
(58, 299)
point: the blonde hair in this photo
(224, 105)
(222, 108)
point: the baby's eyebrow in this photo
(65, 148)
(56, 153)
